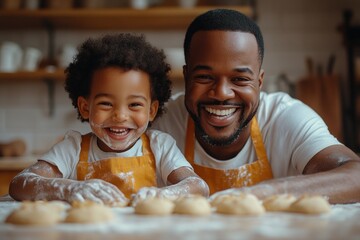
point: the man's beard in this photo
(224, 141)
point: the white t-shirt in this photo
(168, 157)
(292, 134)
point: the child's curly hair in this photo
(124, 50)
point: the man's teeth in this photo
(219, 112)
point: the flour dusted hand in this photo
(185, 187)
(37, 187)
(261, 191)
(145, 193)
(151, 192)
(95, 190)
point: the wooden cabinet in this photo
(156, 18)
(351, 88)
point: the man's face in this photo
(223, 81)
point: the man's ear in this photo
(185, 74)
(261, 78)
(83, 107)
(153, 109)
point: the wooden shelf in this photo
(157, 18)
(58, 75)
(32, 76)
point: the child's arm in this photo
(43, 181)
(184, 182)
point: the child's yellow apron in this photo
(246, 175)
(129, 174)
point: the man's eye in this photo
(202, 78)
(240, 80)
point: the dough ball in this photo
(192, 205)
(154, 206)
(219, 199)
(278, 203)
(310, 205)
(89, 212)
(38, 213)
(120, 204)
(243, 204)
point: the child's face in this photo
(119, 107)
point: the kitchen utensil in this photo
(321, 92)
(10, 57)
(32, 57)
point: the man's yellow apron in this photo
(129, 174)
(245, 175)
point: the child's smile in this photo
(119, 107)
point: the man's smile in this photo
(220, 116)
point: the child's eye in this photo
(136, 105)
(107, 104)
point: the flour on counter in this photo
(343, 222)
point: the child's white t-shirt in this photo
(168, 157)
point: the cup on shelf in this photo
(31, 60)
(31, 4)
(139, 4)
(187, 3)
(67, 55)
(175, 57)
(10, 57)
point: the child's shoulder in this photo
(73, 135)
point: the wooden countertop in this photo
(343, 222)
(16, 163)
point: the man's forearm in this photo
(340, 185)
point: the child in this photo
(119, 84)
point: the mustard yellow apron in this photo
(245, 175)
(129, 174)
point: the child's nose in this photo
(120, 116)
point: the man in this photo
(241, 139)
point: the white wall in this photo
(292, 31)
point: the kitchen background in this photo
(299, 35)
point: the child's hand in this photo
(95, 190)
(148, 192)
(144, 193)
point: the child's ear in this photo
(153, 109)
(83, 107)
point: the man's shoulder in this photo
(276, 102)
(275, 97)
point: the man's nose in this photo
(222, 90)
